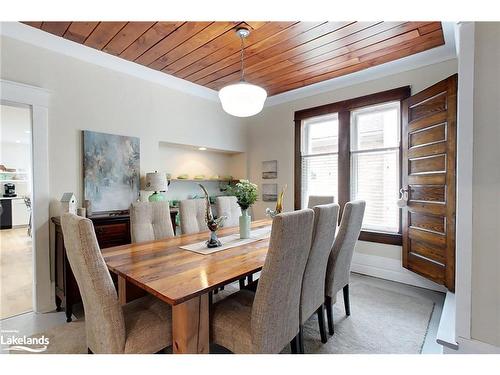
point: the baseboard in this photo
(390, 269)
(471, 346)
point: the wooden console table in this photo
(110, 231)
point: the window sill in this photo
(381, 237)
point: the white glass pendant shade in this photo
(242, 99)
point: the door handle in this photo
(403, 199)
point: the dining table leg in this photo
(190, 326)
(122, 290)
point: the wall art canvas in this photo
(270, 169)
(111, 170)
(269, 192)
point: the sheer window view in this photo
(375, 164)
(320, 157)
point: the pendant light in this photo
(242, 99)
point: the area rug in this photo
(382, 322)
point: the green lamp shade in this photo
(157, 197)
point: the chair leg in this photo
(250, 279)
(294, 345)
(321, 322)
(301, 340)
(346, 300)
(329, 314)
(242, 283)
(89, 351)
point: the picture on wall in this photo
(270, 169)
(269, 192)
(111, 170)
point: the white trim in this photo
(38, 100)
(465, 117)
(67, 47)
(446, 330)
(429, 57)
(471, 346)
(390, 269)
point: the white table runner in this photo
(229, 241)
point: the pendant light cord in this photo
(242, 53)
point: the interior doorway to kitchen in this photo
(16, 247)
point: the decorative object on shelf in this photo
(246, 194)
(183, 177)
(270, 169)
(156, 182)
(199, 177)
(68, 203)
(111, 167)
(212, 224)
(269, 192)
(242, 99)
(279, 204)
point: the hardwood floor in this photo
(16, 272)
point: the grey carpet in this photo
(382, 322)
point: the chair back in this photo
(313, 283)
(339, 261)
(228, 207)
(150, 221)
(318, 200)
(192, 216)
(104, 321)
(275, 310)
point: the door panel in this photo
(429, 157)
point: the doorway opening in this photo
(16, 181)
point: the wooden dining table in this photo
(184, 279)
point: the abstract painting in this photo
(111, 174)
(269, 192)
(269, 169)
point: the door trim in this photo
(38, 99)
(464, 32)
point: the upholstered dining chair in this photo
(312, 296)
(339, 261)
(317, 200)
(150, 221)
(192, 216)
(267, 320)
(141, 326)
(228, 207)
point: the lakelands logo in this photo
(11, 342)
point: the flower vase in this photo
(245, 220)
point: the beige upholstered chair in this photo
(192, 216)
(317, 200)
(312, 297)
(267, 320)
(141, 326)
(150, 221)
(228, 207)
(339, 262)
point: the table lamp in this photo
(156, 182)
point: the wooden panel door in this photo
(429, 157)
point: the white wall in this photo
(91, 97)
(485, 322)
(271, 136)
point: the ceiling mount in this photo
(242, 32)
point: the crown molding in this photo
(418, 60)
(39, 38)
(42, 39)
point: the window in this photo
(320, 146)
(375, 173)
(351, 150)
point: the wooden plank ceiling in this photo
(279, 56)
